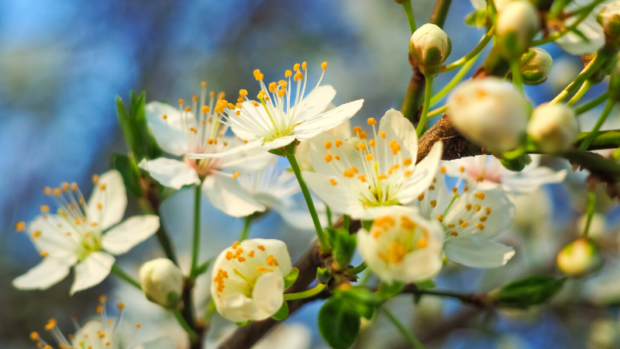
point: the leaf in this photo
(344, 247)
(135, 128)
(387, 291)
(131, 176)
(290, 279)
(528, 291)
(204, 267)
(338, 327)
(244, 323)
(471, 19)
(282, 313)
(323, 275)
(426, 284)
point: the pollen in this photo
(408, 173)
(468, 207)
(328, 145)
(36, 234)
(324, 65)
(229, 255)
(488, 210)
(442, 169)
(120, 306)
(288, 74)
(454, 233)
(34, 336)
(372, 121)
(261, 247)
(361, 146)
(433, 203)
(421, 197)
(251, 253)
(349, 173)
(480, 226)
(19, 226)
(57, 192)
(336, 157)
(298, 76)
(372, 143)
(362, 178)
(304, 65)
(338, 143)
(477, 207)
(261, 268)
(47, 191)
(440, 218)
(333, 181)
(328, 157)
(258, 75)
(407, 162)
(422, 243)
(483, 219)
(461, 169)
(235, 245)
(464, 224)
(480, 195)
(44, 254)
(51, 323)
(271, 260)
(235, 175)
(407, 223)
(296, 67)
(369, 157)
(382, 134)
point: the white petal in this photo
(317, 101)
(532, 180)
(398, 127)
(238, 308)
(301, 218)
(327, 120)
(337, 197)
(276, 248)
(423, 175)
(258, 143)
(250, 160)
(92, 271)
(168, 133)
(279, 142)
(268, 292)
(171, 173)
(113, 199)
(369, 213)
(128, 234)
(45, 274)
(421, 265)
(227, 195)
(158, 343)
(576, 45)
(52, 239)
(478, 252)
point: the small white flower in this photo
(75, 236)
(248, 279)
(590, 28)
(273, 188)
(488, 173)
(470, 220)
(100, 333)
(371, 178)
(554, 127)
(180, 132)
(281, 117)
(162, 282)
(405, 248)
(489, 112)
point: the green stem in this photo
(192, 335)
(401, 328)
(437, 111)
(196, 232)
(116, 270)
(365, 278)
(360, 268)
(590, 211)
(245, 232)
(581, 78)
(304, 189)
(591, 104)
(410, 18)
(455, 80)
(582, 91)
(346, 221)
(590, 137)
(305, 294)
(474, 53)
(427, 103)
(517, 79)
(328, 213)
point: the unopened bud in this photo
(535, 66)
(554, 127)
(162, 282)
(430, 46)
(614, 83)
(580, 257)
(489, 112)
(517, 24)
(609, 18)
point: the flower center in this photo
(406, 238)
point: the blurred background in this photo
(63, 63)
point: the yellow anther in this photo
(407, 162)
(205, 109)
(362, 178)
(221, 95)
(348, 173)
(382, 134)
(195, 98)
(51, 323)
(324, 65)
(261, 268)
(138, 325)
(454, 233)
(422, 243)
(203, 84)
(328, 144)
(371, 121)
(65, 186)
(363, 135)
(45, 208)
(288, 73)
(47, 191)
(103, 186)
(461, 169)
(336, 157)
(304, 65)
(298, 76)
(36, 234)
(181, 101)
(19, 226)
(333, 181)
(480, 195)
(338, 143)
(408, 173)
(371, 142)
(328, 157)
(361, 146)
(440, 218)
(272, 87)
(120, 306)
(243, 92)
(442, 169)
(34, 336)
(421, 197)
(258, 75)
(480, 226)
(369, 156)
(296, 67)
(433, 203)
(468, 207)
(483, 219)
(235, 175)
(464, 224)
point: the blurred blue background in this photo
(63, 63)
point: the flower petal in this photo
(109, 192)
(328, 120)
(164, 342)
(49, 234)
(128, 234)
(168, 132)
(45, 274)
(237, 307)
(92, 270)
(171, 173)
(478, 252)
(532, 180)
(317, 101)
(268, 292)
(422, 177)
(227, 195)
(336, 198)
(276, 248)
(399, 128)
(250, 146)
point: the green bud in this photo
(323, 275)
(430, 46)
(535, 66)
(517, 24)
(518, 164)
(579, 258)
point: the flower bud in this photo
(580, 257)
(609, 18)
(614, 83)
(535, 66)
(554, 127)
(489, 112)
(162, 282)
(517, 25)
(430, 46)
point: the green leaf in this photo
(135, 127)
(481, 18)
(426, 284)
(282, 313)
(204, 267)
(290, 279)
(358, 300)
(338, 327)
(528, 291)
(323, 275)
(344, 247)
(390, 290)
(131, 175)
(244, 323)
(517, 164)
(471, 20)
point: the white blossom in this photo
(248, 279)
(405, 248)
(368, 178)
(84, 235)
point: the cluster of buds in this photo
(429, 46)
